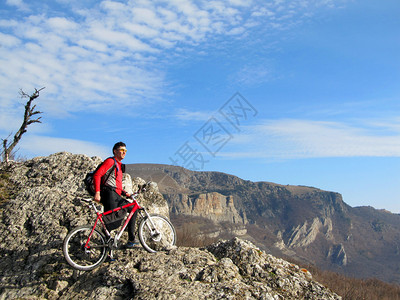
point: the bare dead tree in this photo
(29, 119)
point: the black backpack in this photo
(89, 182)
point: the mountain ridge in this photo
(305, 223)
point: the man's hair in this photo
(118, 145)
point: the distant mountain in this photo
(304, 223)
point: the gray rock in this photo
(46, 205)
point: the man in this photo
(109, 192)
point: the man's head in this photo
(119, 150)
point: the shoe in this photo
(131, 244)
(111, 259)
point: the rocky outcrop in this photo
(338, 255)
(304, 235)
(45, 205)
(213, 206)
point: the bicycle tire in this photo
(74, 248)
(153, 243)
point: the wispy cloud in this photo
(115, 53)
(252, 74)
(294, 139)
(43, 145)
(187, 115)
(18, 4)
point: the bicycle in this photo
(86, 247)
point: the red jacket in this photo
(114, 180)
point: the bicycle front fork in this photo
(155, 234)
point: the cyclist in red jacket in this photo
(109, 192)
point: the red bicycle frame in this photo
(100, 217)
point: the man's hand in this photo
(97, 197)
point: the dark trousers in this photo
(110, 200)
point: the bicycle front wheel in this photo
(160, 237)
(81, 257)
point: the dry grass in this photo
(5, 188)
(187, 236)
(347, 287)
(356, 289)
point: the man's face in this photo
(120, 153)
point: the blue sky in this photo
(293, 92)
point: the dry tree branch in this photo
(28, 120)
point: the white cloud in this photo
(124, 40)
(62, 25)
(9, 40)
(113, 53)
(294, 139)
(186, 115)
(141, 30)
(19, 4)
(93, 45)
(9, 122)
(251, 74)
(244, 3)
(43, 146)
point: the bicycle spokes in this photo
(80, 253)
(156, 233)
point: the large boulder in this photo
(44, 205)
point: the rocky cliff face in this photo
(44, 205)
(306, 223)
(213, 206)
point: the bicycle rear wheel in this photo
(160, 237)
(82, 258)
